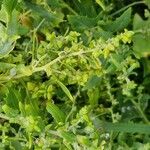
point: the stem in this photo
(39, 25)
(33, 45)
(4, 79)
(27, 12)
(43, 68)
(59, 59)
(126, 7)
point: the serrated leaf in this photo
(120, 23)
(9, 5)
(56, 113)
(81, 23)
(55, 3)
(121, 127)
(100, 33)
(53, 18)
(66, 91)
(85, 8)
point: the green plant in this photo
(70, 80)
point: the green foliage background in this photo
(74, 75)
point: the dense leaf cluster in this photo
(74, 75)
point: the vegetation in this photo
(74, 75)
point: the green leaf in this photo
(66, 91)
(93, 96)
(6, 48)
(55, 3)
(3, 35)
(120, 23)
(93, 82)
(121, 127)
(9, 111)
(53, 18)
(24, 70)
(85, 7)
(69, 137)
(16, 145)
(138, 23)
(56, 113)
(148, 3)
(101, 4)
(141, 38)
(3, 15)
(9, 5)
(22, 109)
(141, 45)
(81, 23)
(5, 66)
(8, 36)
(13, 25)
(100, 33)
(12, 98)
(1, 2)
(146, 66)
(30, 110)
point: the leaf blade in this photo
(120, 23)
(122, 127)
(56, 113)
(66, 91)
